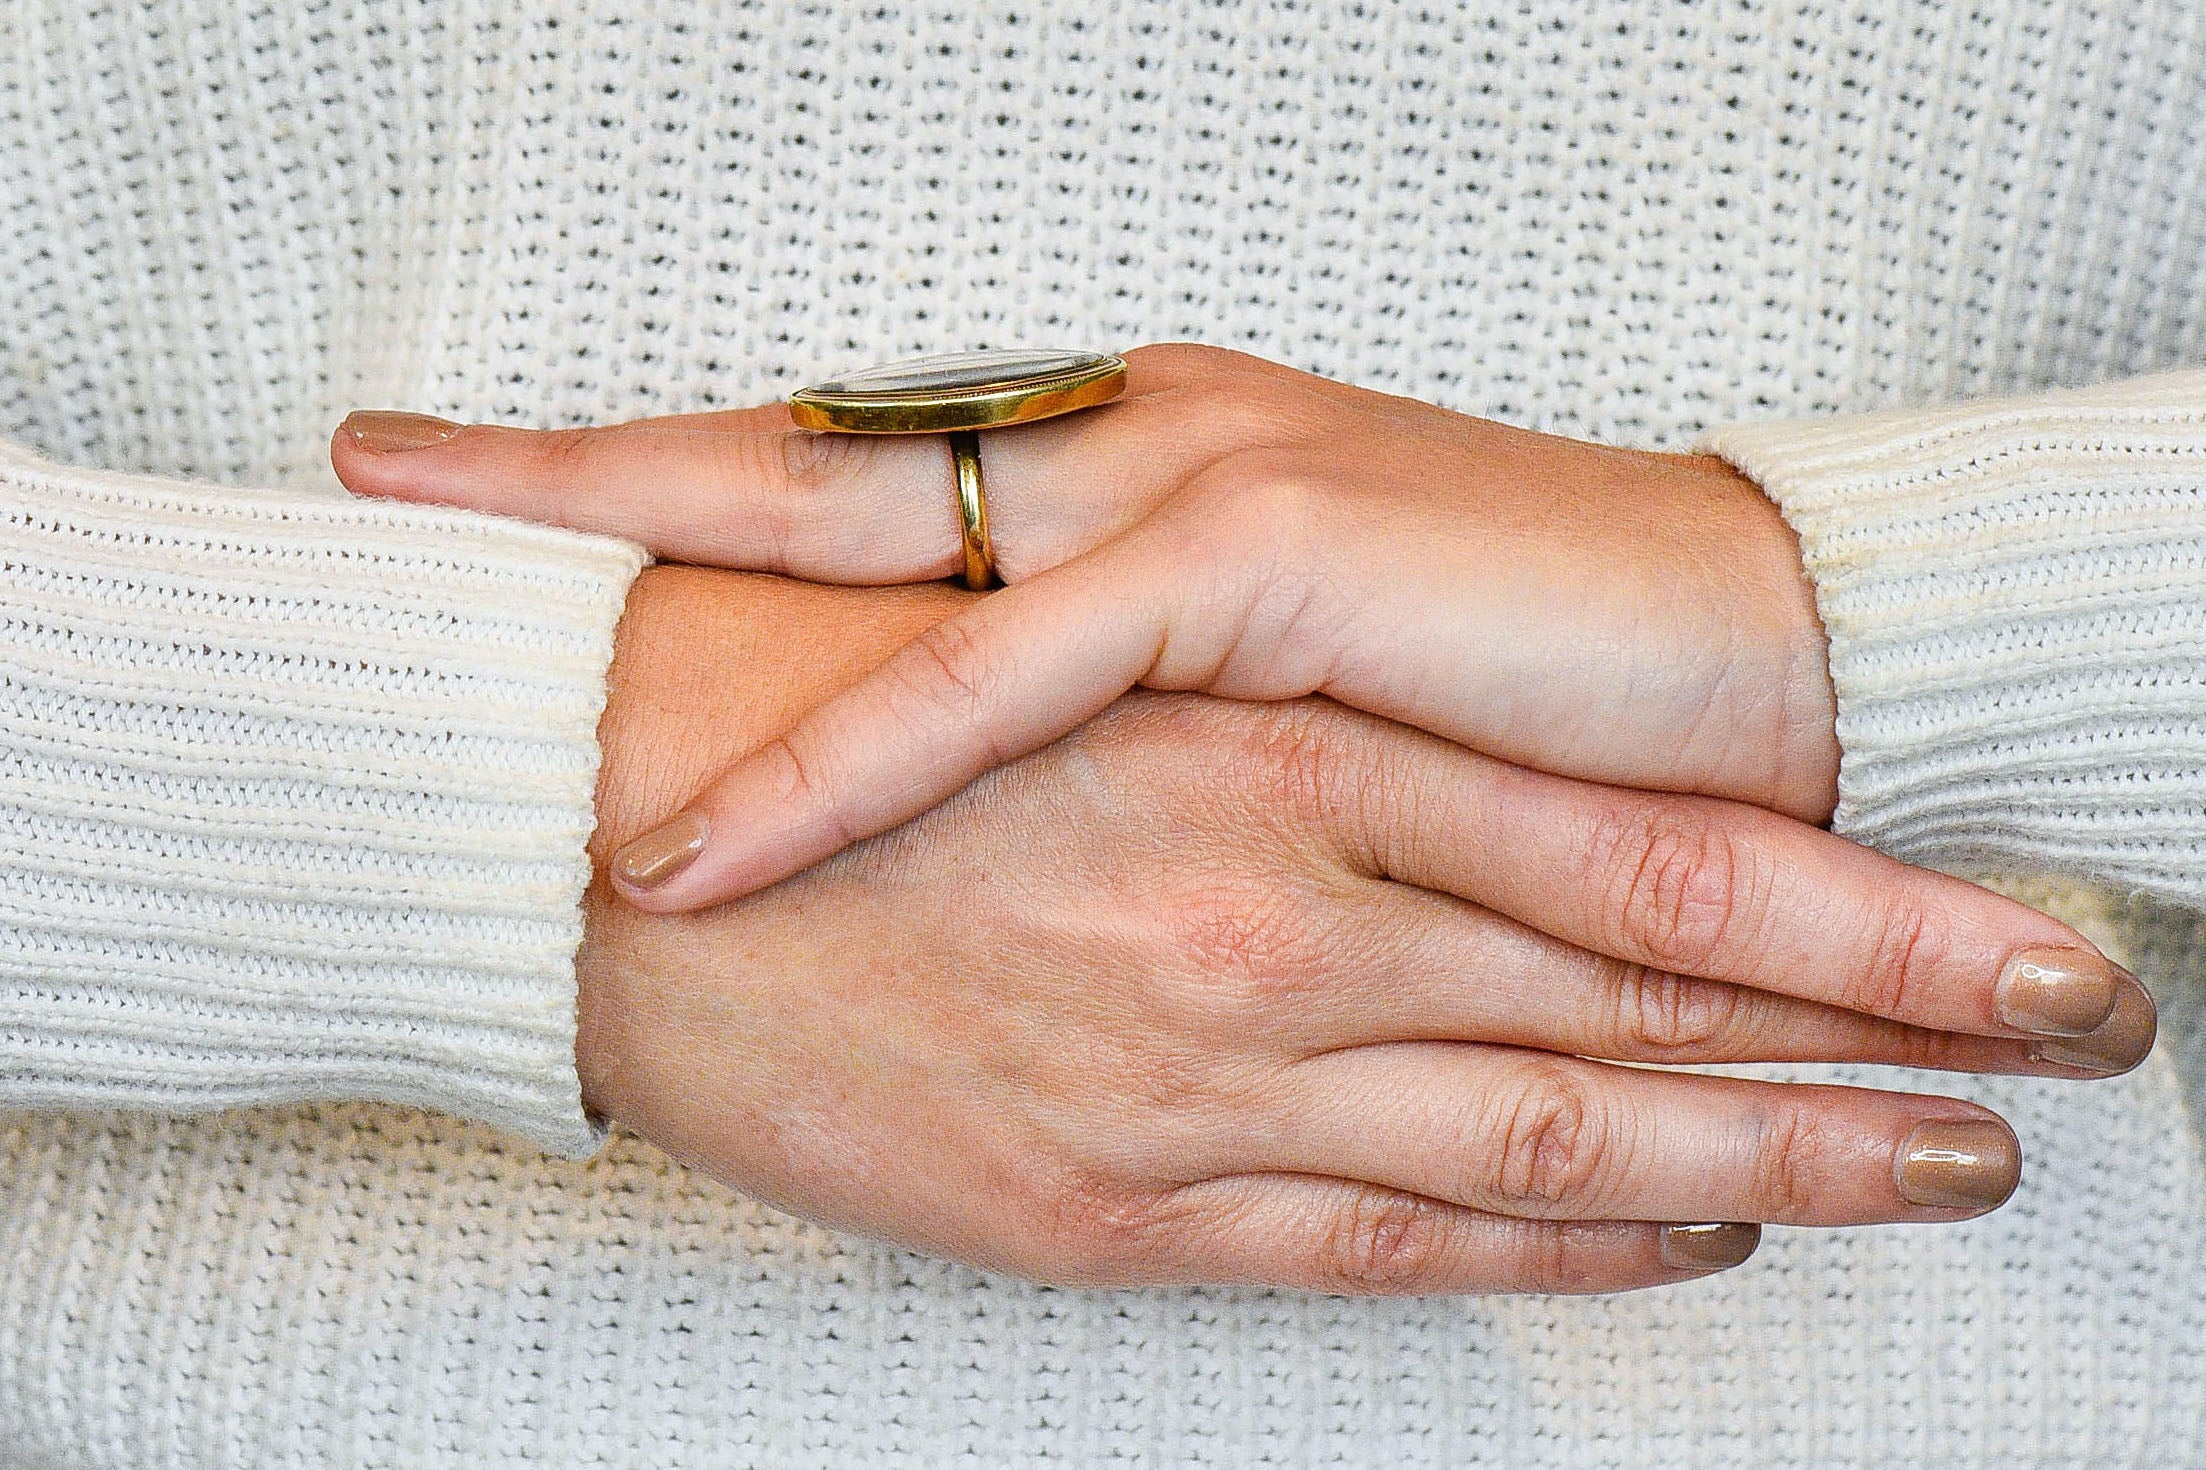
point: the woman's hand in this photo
(1227, 992)
(1229, 526)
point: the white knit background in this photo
(221, 224)
(229, 222)
(293, 793)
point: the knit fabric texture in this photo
(224, 223)
(2015, 593)
(294, 792)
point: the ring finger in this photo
(1532, 1134)
(748, 490)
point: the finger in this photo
(1720, 890)
(1357, 1239)
(1409, 964)
(753, 494)
(1013, 672)
(747, 489)
(1527, 1133)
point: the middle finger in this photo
(748, 490)
(1397, 963)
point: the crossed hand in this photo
(1267, 883)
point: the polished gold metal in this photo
(972, 511)
(959, 394)
(967, 390)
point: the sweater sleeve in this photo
(2015, 593)
(293, 797)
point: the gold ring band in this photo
(957, 394)
(972, 511)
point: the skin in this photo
(1233, 527)
(1231, 992)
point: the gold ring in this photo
(960, 394)
(972, 511)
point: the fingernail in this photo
(1959, 1164)
(1716, 1247)
(2124, 1040)
(2057, 992)
(387, 431)
(657, 856)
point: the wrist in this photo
(1783, 648)
(707, 665)
(2009, 587)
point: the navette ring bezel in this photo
(1014, 386)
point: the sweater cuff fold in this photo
(294, 791)
(2015, 595)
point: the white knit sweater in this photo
(293, 789)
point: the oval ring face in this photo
(960, 390)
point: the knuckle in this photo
(1264, 518)
(1682, 888)
(1263, 426)
(946, 666)
(1187, 352)
(1547, 1259)
(1314, 770)
(1788, 1151)
(1223, 376)
(801, 783)
(1386, 1243)
(1659, 1012)
(1297, 756)
(1553, 1146)
(797, 780)
(1572, 1257)
(804, 459)
(1246, 945)
(1902, 955)
(568, 451)
(1932, 1050)
(1088, 1229)
(1187, 361)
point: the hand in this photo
(1230, 526)
(1260, 993)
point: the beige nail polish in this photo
(1958, 1164)
(2120, 1043)
(387, 431)
(1712, 1247)
(2057, 992)
(657, 856)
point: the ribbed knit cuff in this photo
(2015, 593)
(293, 797)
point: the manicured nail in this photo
(657, 856)
(2057, 992)
(2120, 1043)
(1959, 1164)
(1716, 1247)
(386, 431)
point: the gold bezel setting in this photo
(965, 390)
